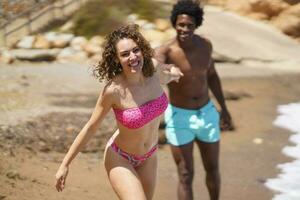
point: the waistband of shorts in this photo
(204, 108)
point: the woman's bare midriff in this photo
(137, 141)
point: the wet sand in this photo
(31, 151)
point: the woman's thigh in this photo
(123, 177)
(148, 173)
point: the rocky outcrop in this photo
(62, 46)
(289, 21)
(284, 14)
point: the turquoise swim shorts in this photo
(184, 126)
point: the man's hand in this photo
(226, 123)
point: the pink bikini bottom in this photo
(134, 160)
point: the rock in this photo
(221, 3)
(162, 24)
(92, 49)
(141, 22)
(67, 26)
(71, 54)
(78, 42)
(234, 96)
(242, 7)
(97, 40)
(13, 174)
(170, 33)
(132, 18)
(258, 16)
(148, 26)
(289, 21)
(26, 42)
(70, 129)
(154, 35)
(223, 58)
(41, 43)
(43, 147)
(59, 40)
(35, 54)
(6, 57)
(95, 59)
(268, 7)
(258, 140)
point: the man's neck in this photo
(188, 44)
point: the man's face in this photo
(185, 27)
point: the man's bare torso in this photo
(191, 92)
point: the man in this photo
(191, 116)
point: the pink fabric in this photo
(134, 160)
(137, 117)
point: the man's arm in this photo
(215, 86)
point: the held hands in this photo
(226, 122)
(61, 176)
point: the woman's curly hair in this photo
(109, 66)
(190, 8)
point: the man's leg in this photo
(210, 158)
(183, 156)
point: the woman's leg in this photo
(148, 173)
(123, 177)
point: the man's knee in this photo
(212, 170)
(186, 176)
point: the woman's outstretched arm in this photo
(102, 107)
(167, 72)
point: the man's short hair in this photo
(190, 8)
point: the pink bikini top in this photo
(137, 117)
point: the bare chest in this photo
(191, 63)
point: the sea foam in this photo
(287, 183)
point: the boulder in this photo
(35, 54)
(71, 54)
(162, 24)
(78, 42)
(268, 7)
(6, 57)
(97, 40)
(289, 21)
(59, 40)
(154, 35)
(26, 42)
(242, 7)
(41, 42)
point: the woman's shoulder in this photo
(113, 87)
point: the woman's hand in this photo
(61, 176)
(175, 73)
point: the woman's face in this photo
(130, 56)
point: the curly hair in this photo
(109, 66)
(189, 8)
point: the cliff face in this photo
(284, 14)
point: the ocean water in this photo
(287, 183)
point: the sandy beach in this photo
(42, 108)
(43, 105)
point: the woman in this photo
(137, 99)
